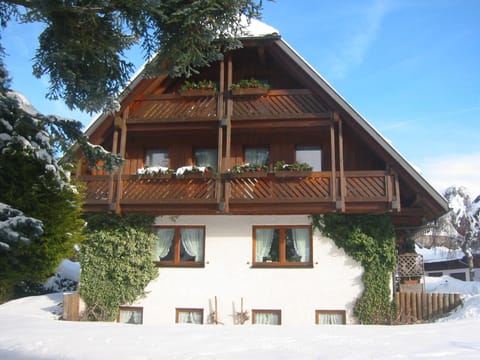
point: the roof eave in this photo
(365, 125)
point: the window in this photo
(330, 317)
(206, 157)
(267, 317)
(256, 155)
(130, 315)
(282, 245)
(156, 157)
(188, 316)
(180, 246)
(311, 155)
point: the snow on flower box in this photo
(194, 172)
(158, 172)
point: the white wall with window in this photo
(321, 276)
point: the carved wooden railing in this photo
(292, 188)
(286, 104)
(148, 190)
(174, 108)
(278, 103)
(314, 187)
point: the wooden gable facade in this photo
(360, 172)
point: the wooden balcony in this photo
(316, 192)
(284, 104)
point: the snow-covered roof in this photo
(439, 254)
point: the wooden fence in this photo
(415, 307)
(73, 306)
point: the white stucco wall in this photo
(334, 282)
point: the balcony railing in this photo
(252, 193)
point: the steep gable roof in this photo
(258, 31)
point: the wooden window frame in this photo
(267, 311)
(130, 308)
(179, 310)
(176, 262)
(282, 263)
(201, 148)
(146, 151)
(245, 147)
(343, 313)
(299, 146)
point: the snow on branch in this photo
(16, 227)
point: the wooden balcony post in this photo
(228, 131)
(337, 119)
(117, 123)
(123, 143)
(332, 156)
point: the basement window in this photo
(330, 317)
(188, 316)
(267, 317)
(130, 315)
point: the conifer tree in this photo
(82, 48)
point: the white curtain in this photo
(301, 242)
(163, 244)
(192, 241)
(256, 156)
(206, 157)
(263, 244)
(265, 318)
(130, 316)
(330, 319)
(189, 317)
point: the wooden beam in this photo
(123, 143)
(337, 119)
(111, 186)
(229, 111)
(333, 181)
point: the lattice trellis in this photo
(409, 265)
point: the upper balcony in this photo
(205, 106)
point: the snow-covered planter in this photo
(155, 171)
(296, 169)
(194, 172)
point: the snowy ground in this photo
(29, 330)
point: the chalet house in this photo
(235, 241)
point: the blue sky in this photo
(410, 67)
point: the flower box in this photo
(197, 92)
(259, 91)
(293, 173)
(249, 174)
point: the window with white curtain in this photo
(311, 155)
(267, 317)
(156, 157)
(188, 316)
(282, 245)
(330, 317)
(256, 155)
(180, 246)
(130, 315)
(206, 157)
